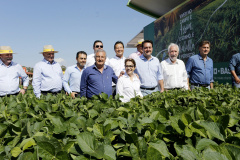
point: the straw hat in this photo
(48, 48)
(6, 50)
(139, 42)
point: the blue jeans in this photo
(147, 92)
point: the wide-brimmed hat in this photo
(6, 50)
(139, 42)
(48, 48)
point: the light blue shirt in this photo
(149, 71)
(73, 76)
(200, 71)
(9, 78)
(47, 77)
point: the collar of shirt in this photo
(94, 66)
(79, 69)
(117, 58)
(170, 62)
(1, 62)
(138, 53)
(200, 57)
(44, 60)
(127, 76)
(144, 58)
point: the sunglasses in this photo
(97, 46)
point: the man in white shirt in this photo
(174, 71)
(139, 51)
(117, 63)
(10, 73)
(91, 59)
(47, 74)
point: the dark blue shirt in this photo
(234, 65)
(93, 82)
(200, 71)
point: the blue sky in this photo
(68, 25)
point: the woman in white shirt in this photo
(128, 85)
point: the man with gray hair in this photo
(97, 78)
(174, 71)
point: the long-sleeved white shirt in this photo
(174, 74)
(117, 65)
(127, 88)
(9, 78)
(47, 77)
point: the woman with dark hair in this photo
(128, 85)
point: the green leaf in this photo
(92, 113)
(186, 119)
(46, 150)
(118, 145)
(62, 155)
(27, 156)
(234, 149)
(123, 109)
(146, 120)
(27, 143)
(195, 127)
(161, 147)
(153, 154)
(188, 132)
(214, 129)
(204, 143)
(224, 120)
(187, 152)
(98, 130)
(16, 151)
(104, 96)
(109, 152)
(214, 156)
(134, 152)
(88, 145)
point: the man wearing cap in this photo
(91, 58)
(149, 70)
(97, 78)
(10, 73)
(72, 75)
(139, 51)
(47, 74)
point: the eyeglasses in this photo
(97, 46)
(130, 66)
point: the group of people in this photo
(138, 75)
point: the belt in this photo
(15, 94)
(46, 92)
(200, 85)
(148, 88)
(172, 88)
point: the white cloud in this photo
(59, 60)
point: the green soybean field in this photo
(186, 125)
